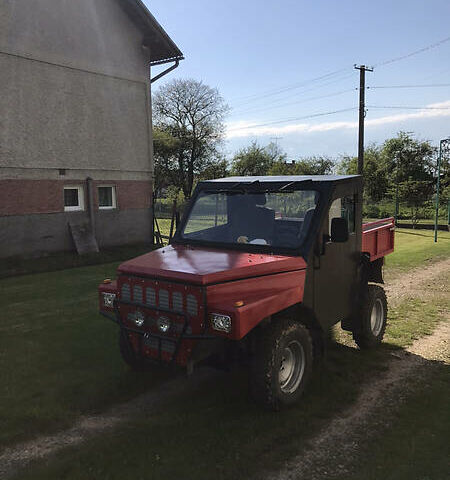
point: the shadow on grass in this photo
(15, 266)
(217, 431)
(440, 237)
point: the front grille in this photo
(177, 301)
(155, 298)
(137, 294)
(150, 296)
(160, 294)
(191, 305)
(163, 299)
(126, 292)
(166, 345)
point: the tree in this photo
(218, 169)
(316, 165)
(409, 159)
(165, 148)
(376, 172)
(398, 160)
(256, 160)
(416, 194)
(189, 116)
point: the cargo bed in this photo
(378, 238)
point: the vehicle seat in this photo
(254, 221)
(306, 224)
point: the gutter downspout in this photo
(166, 71)
(90, 192)
(154, 79)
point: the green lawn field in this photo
(59, 359)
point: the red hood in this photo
(206, 265)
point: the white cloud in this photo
(244, 128)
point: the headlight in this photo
(139, 318)
(163, 324)
(108, 299)
(220, 322)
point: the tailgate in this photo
(378, 238)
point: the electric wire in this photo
(276, 101)
(273, 92)
(263, 109)
(411, 54)
(407, 107)
(287, 120)
(430, 85)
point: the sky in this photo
(283, 66)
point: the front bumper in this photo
(168, 348)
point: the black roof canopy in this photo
(162, 47)
(280, 181)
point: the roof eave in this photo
(154, 35)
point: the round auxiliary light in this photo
(139, 318)
(163, 324)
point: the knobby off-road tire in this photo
(373, 315)
(129, 356)
(281, 365)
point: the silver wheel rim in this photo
(377, 317)
(292, 367)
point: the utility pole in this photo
(275, 140)
(436, 218)
(362, 113)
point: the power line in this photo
(430, 85)
(292, 119)
(407, 107)
(263, 109)
(295, 95)
(277, 91)
(415, 52)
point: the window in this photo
(107, 197)
(278, 219)
(343, 208)
(73, 198)
(209, 211)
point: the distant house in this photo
(75, 121)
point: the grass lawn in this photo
(59, 359)
(417, 247)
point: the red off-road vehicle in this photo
(259, 268)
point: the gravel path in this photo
(331, 452)
(18, 456)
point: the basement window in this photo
(73, 198)
(107, 197)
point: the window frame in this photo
(322, 191)
(113, 197)
(342, 203)
(81, 204)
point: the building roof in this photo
(162, 47)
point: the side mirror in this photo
(339, 230)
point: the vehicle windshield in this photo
(277, 219)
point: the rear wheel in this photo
(282, 364)
(129, 356)
(373, 317)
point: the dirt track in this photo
(330, 453)
(87, 426)
(339, 440)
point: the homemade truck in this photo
(258, 269)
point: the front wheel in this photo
(373, 317)
(282, 364)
